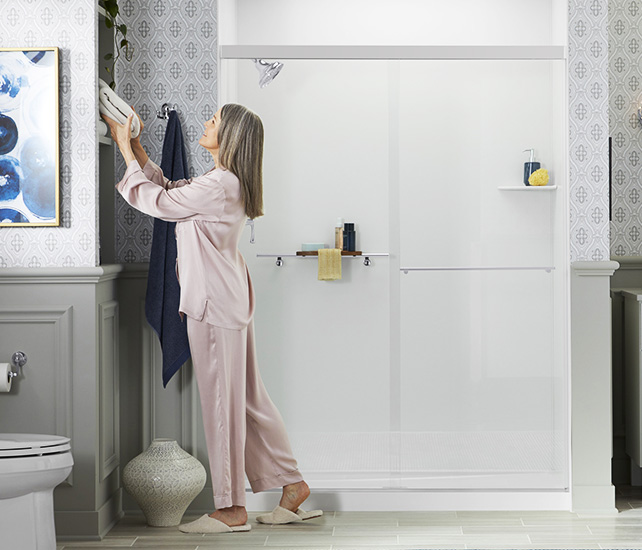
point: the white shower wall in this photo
(432, 380)
(349, 22)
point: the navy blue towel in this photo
(163, 290)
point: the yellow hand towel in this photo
(329, 264)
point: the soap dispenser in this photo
(530, 166)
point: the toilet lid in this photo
(15, 445)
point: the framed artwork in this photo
(29, 148)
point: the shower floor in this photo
(458, 460)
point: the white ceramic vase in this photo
(164, 480)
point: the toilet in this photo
(31, 465)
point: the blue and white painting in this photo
(29, 192)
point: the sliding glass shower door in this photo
(482, 372)
(443, 365)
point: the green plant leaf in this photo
(109, 23)
(111, 7)
(122, 28)
(109, 56)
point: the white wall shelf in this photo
(531, 188)
(391, 52)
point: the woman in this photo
(244, 431)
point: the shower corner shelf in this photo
(104, 140)
(531, 188)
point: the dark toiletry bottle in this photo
(530, 166)
(349, 237)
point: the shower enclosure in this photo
(442, 366)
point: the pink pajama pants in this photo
(244, 431)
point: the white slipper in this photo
(280, 516)
(206, 524)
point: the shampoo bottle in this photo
(338, 234)
(349, 237)
(530, 166)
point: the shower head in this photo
(267, 71)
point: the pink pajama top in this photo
(210, 217)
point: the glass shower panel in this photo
(483, 380)
(324, 346)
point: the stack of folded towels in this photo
(111, 105)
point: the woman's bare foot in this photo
(294, 495)
(232, 516)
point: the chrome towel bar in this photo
(548, 269)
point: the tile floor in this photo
(403, 531)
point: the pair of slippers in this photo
(278, 516)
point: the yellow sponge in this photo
(538, 178)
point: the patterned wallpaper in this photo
(71, 26)
(589, 130)
(175, 62)
(625, 81)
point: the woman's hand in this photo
(121, 134)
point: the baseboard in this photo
(414, 500)
(89, 526)
(594, 500)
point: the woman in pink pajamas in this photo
(244, 431)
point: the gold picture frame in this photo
(29, 137)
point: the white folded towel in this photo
(111, 105)
(103, 129)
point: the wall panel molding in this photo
(150, 358)
(59, 275)
(61, 319)
(108, 389)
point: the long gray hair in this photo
(240, 139)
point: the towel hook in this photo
(164, 110)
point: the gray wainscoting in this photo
(148, 410)
(66, 321)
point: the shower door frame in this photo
(419, 498)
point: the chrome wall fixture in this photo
(163, 112)
(18, 360)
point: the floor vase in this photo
(164, 480)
